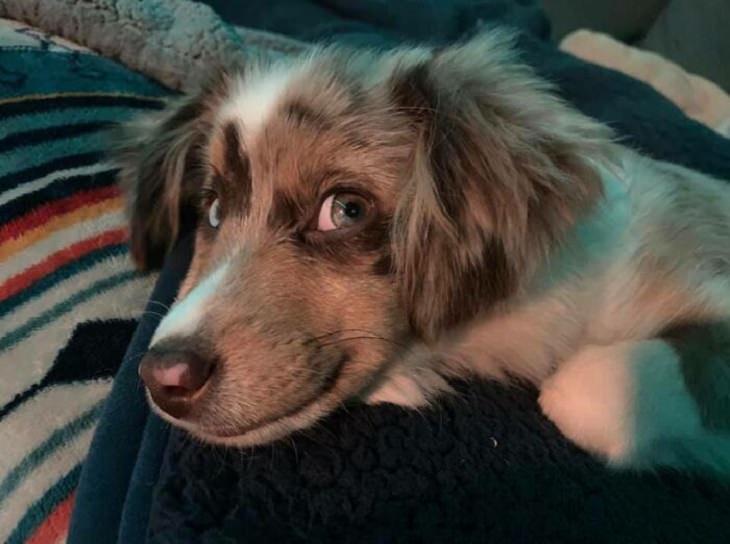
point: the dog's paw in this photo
(629, 404)
(413, 389)
(590, 399)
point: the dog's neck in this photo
(551, 316)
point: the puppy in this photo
(371, 225)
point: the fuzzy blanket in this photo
(483, 466)
(173, 41)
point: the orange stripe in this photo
(41, 214)
(55, 526)
(11, 247)
(52, 262)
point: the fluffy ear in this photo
(499, 172)
(160, 159)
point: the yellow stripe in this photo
(11, 247)
(28, 98)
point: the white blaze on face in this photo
(185, 315)
(253, 101)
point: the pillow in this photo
(69, 296)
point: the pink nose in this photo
(176, 375)
(174, 378)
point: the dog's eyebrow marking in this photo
(185, 315)
(284, 211)
(236, 165)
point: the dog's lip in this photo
(228, 433)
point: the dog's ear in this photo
(161, 160)
(499, 173)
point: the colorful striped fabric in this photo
(69, 296)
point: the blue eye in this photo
(214, 214)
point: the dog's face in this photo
(349, 206)
(293, 304)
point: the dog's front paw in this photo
(629, 403)
(413, 389)
(590, 399)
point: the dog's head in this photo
(349, 205)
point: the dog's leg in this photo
(633, 404)
(408, 385)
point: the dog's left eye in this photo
(342, 210)
(214, 214)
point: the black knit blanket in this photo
(482, 466)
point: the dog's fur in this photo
(509, 237)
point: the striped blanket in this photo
(69, 296)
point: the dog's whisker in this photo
(368, 337)
(339, 331)
(164, 306)
(152, 313)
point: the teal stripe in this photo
(13, 337)
(58, 438)
(49, 72)
(42, 508)
(35, 155)
(54, 118)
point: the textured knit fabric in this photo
(69, 297)
(483, 466)
(174, 41)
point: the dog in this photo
(373, 225)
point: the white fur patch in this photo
(185, 314)
(413, 390)
(253, 100)
(401, 390)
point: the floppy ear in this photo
(161, 159)
(499, 173)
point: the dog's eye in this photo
(214, 214)
(342, 210)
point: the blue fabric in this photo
(378, 23)
(123, 463)
(485, 466)
(24, 72)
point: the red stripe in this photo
(20, 281)
(43, 213)
(55, 526)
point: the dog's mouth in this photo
(270, 428)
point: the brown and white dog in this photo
(371, 225)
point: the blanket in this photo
(699, 98)
(69, 295)
(174, 41)
(481, 466)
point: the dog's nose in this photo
(174, 378)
